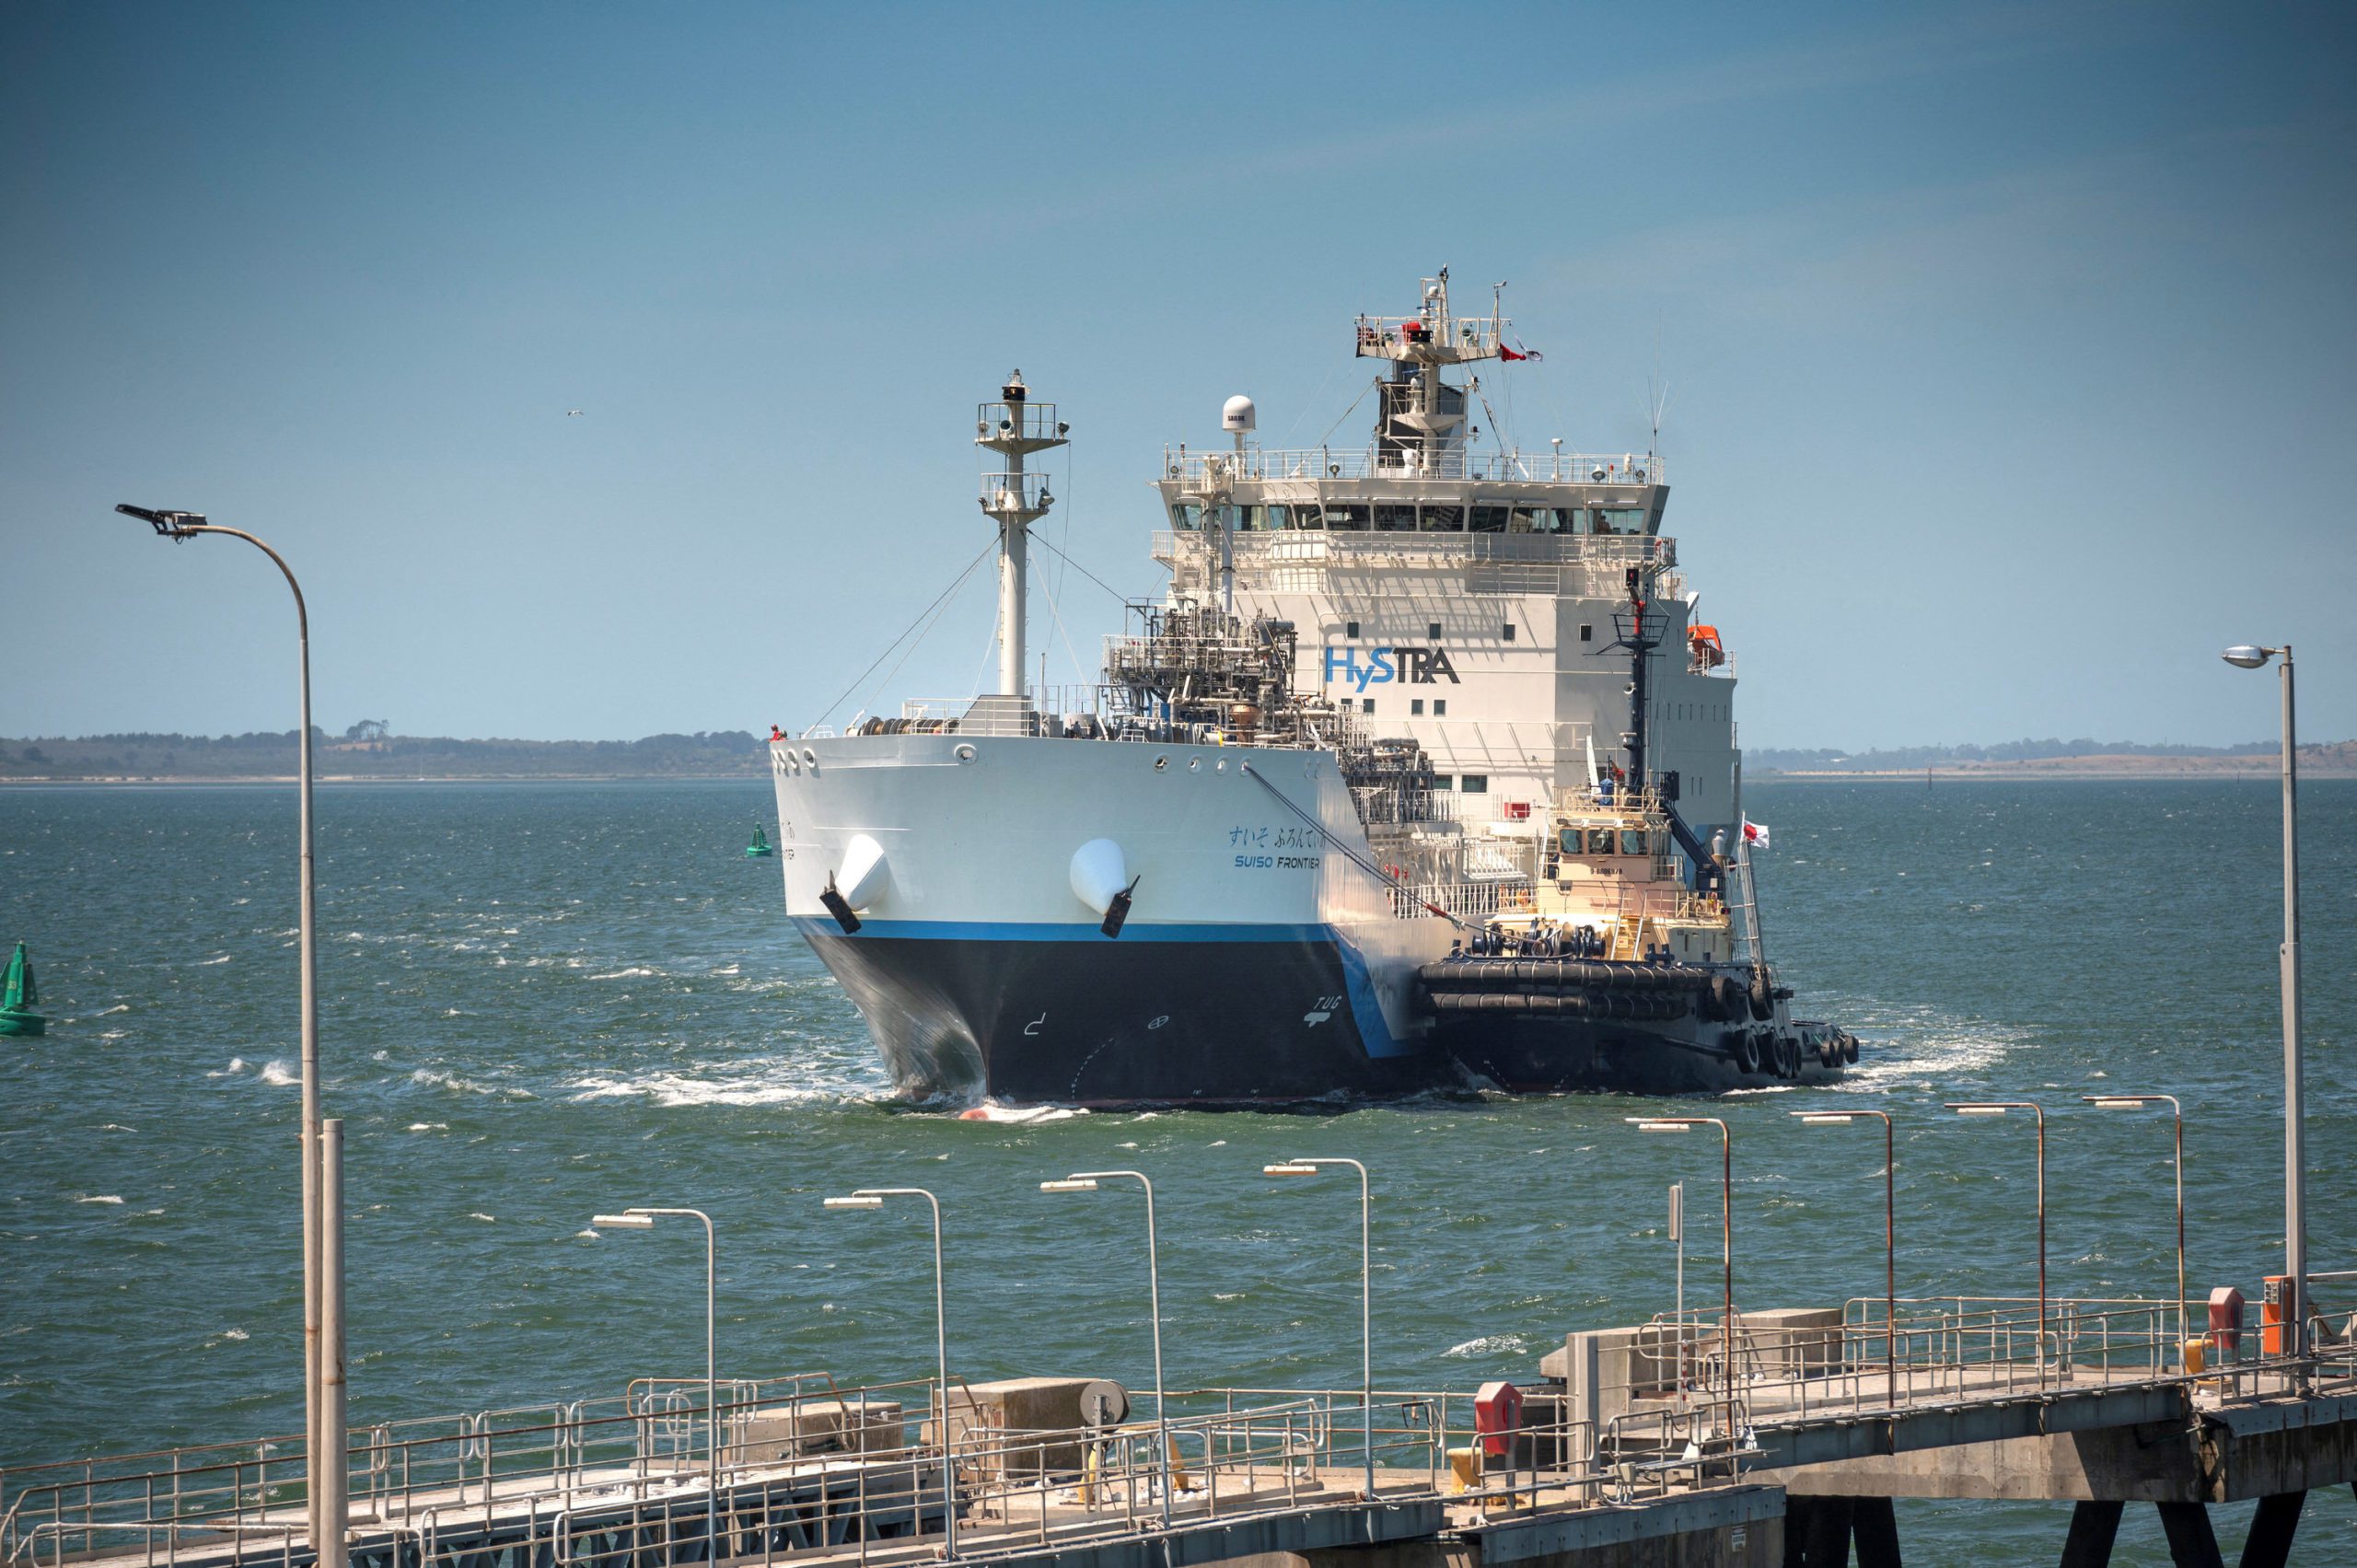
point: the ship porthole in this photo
(1160, 764)
(1194, 764)
(1220, 766)
(810, 760)
(964, 753)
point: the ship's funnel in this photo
(864, 875)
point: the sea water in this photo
(540, 1001)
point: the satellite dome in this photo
(1237, 413)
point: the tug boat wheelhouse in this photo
(1335, 806)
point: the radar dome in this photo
(1237, 413)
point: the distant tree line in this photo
(369, 749)
(1781, 759)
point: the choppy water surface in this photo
(540, 1001)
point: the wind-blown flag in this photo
(1511, 353)
(1755, 832)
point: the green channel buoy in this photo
(760, 847)
(18, 997)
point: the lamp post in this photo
(1366, 1296)
(1889, 1229)
(1726, 1223)
(873, 1198)
(2000, 1107)
(1085, 1181)
(323, 1389)
(643, 1219)
(2177, 1161)
(2295, 1189)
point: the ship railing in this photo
(1210, 466)
(1502, 896)
(1339, 547)
(1008, 491)
(1022, 422)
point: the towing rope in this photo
(1350, 855)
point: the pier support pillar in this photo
(1874, 1529)
(2193, 1543)
(2271, 1530)
(2094, 1526)
(1816, 1532)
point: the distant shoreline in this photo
(323, 780)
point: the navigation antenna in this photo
(1656, 404)
(1015, 427)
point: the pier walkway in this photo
(1634, 1447)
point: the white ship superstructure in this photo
(1335, 754)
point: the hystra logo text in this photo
(1415, 667)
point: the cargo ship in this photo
(1421, 774)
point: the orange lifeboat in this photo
(1703, 643)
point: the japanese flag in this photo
(1755, 833)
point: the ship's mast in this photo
(1015, 427)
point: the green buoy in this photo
(18, 997)
(760, 847)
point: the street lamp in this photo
(1999, 1108)
(873, 1198)
(323, 1389)
(2176, 1159)
(1085, 1181)
(1367, 1296)
(2295, 1193)
(1889, 1229)
(1726, 1222)
(643, 1219)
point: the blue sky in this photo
(2009, 351)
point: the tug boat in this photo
(1330, 822)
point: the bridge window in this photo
(1443, 520)
(1538, 519)
(1346, 517)
(1477, 784)
(1488, 520)
(1307, 517)
(1616, 519)
(1392, 517)
(1632, 841)
(1186, 515)
(1444, 781)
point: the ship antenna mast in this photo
(1014, 428)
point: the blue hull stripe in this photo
(1059, 931)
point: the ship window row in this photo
(1388, 517)
(1602, 841)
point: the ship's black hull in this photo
(1092, 1021)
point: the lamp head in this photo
(1070, 1184)
(623, 1222)
(1647, 1124)
(1824, 1118)
(166, 523)
(2245, 656)
(1976, 1109)
(857, 1200)
(1291, 1168)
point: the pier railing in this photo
(806, 1468)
